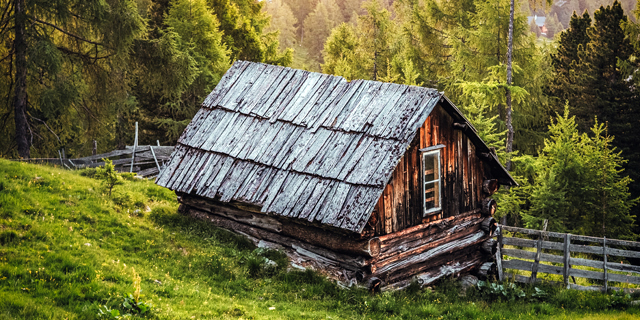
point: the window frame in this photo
(429, 152)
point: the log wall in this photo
(425, 252)
(401, 203)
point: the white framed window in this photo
(432, 186)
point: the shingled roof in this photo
(297, 143)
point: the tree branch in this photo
(83, 55)
(66, 32)
(46, 125)
(4, 13)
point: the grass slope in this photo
(66, 248)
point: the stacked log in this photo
(425, 252)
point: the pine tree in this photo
(61, 56)
(579, 184)
(318, 26)
(340, 53)
(374, 30)
(566, 84)
(242, 23)
(282, 21)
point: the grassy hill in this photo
(67, 250)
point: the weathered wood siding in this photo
(401, 206)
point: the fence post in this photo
(135, 144)
(536, 262)
(95, 148)
(567, 256)
(499, 255)
(534, 266)
(60, 155)
(606, 276)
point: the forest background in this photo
(74, 71)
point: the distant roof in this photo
(539, 20)
(301, 144)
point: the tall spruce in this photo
(580, 184)
(567, 82)
(60, 57)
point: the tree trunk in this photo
(20, 97)
(508, 91)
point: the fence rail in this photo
(145, 160)
(563, 263)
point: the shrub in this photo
(108, 175)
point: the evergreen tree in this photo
(375, 29)
(198, 36)
(579, 184)
(242, 23)
(282, 21)
(60, 56)
(566, 84)
(318, 26)
(340, 53)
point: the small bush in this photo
(110, 178)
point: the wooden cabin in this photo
(368, 182)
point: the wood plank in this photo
(610, 251)
(532, 243)
(442, 249)
(356, 119)
(240, 88)
(263, 106)
(265, 141)
(290, 92)
(245, 139)
(333, 89)
(287, 194)
(295, 105)
(313, 146)
(307, 102)
(169, 170)
(211, 170)
(317, 207)
(388, 112)
(302, 190)
(262, 84)
(289, 147)
(527, 265)
(214, 134)
(261, 188)
(212, 188)
(353, 102)
(274, 189)
(281, 139)
(235, 179)
(322, 91)
(227, 81)
(546, 234)
(234, 131)
(319, 190)
(332, 210)
(250, 184)
(194, 172)
(328, 107)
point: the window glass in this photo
(432, 192)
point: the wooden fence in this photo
(563, 263)
(145, 160)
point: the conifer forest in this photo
(551, 85)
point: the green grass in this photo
(66, 248)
